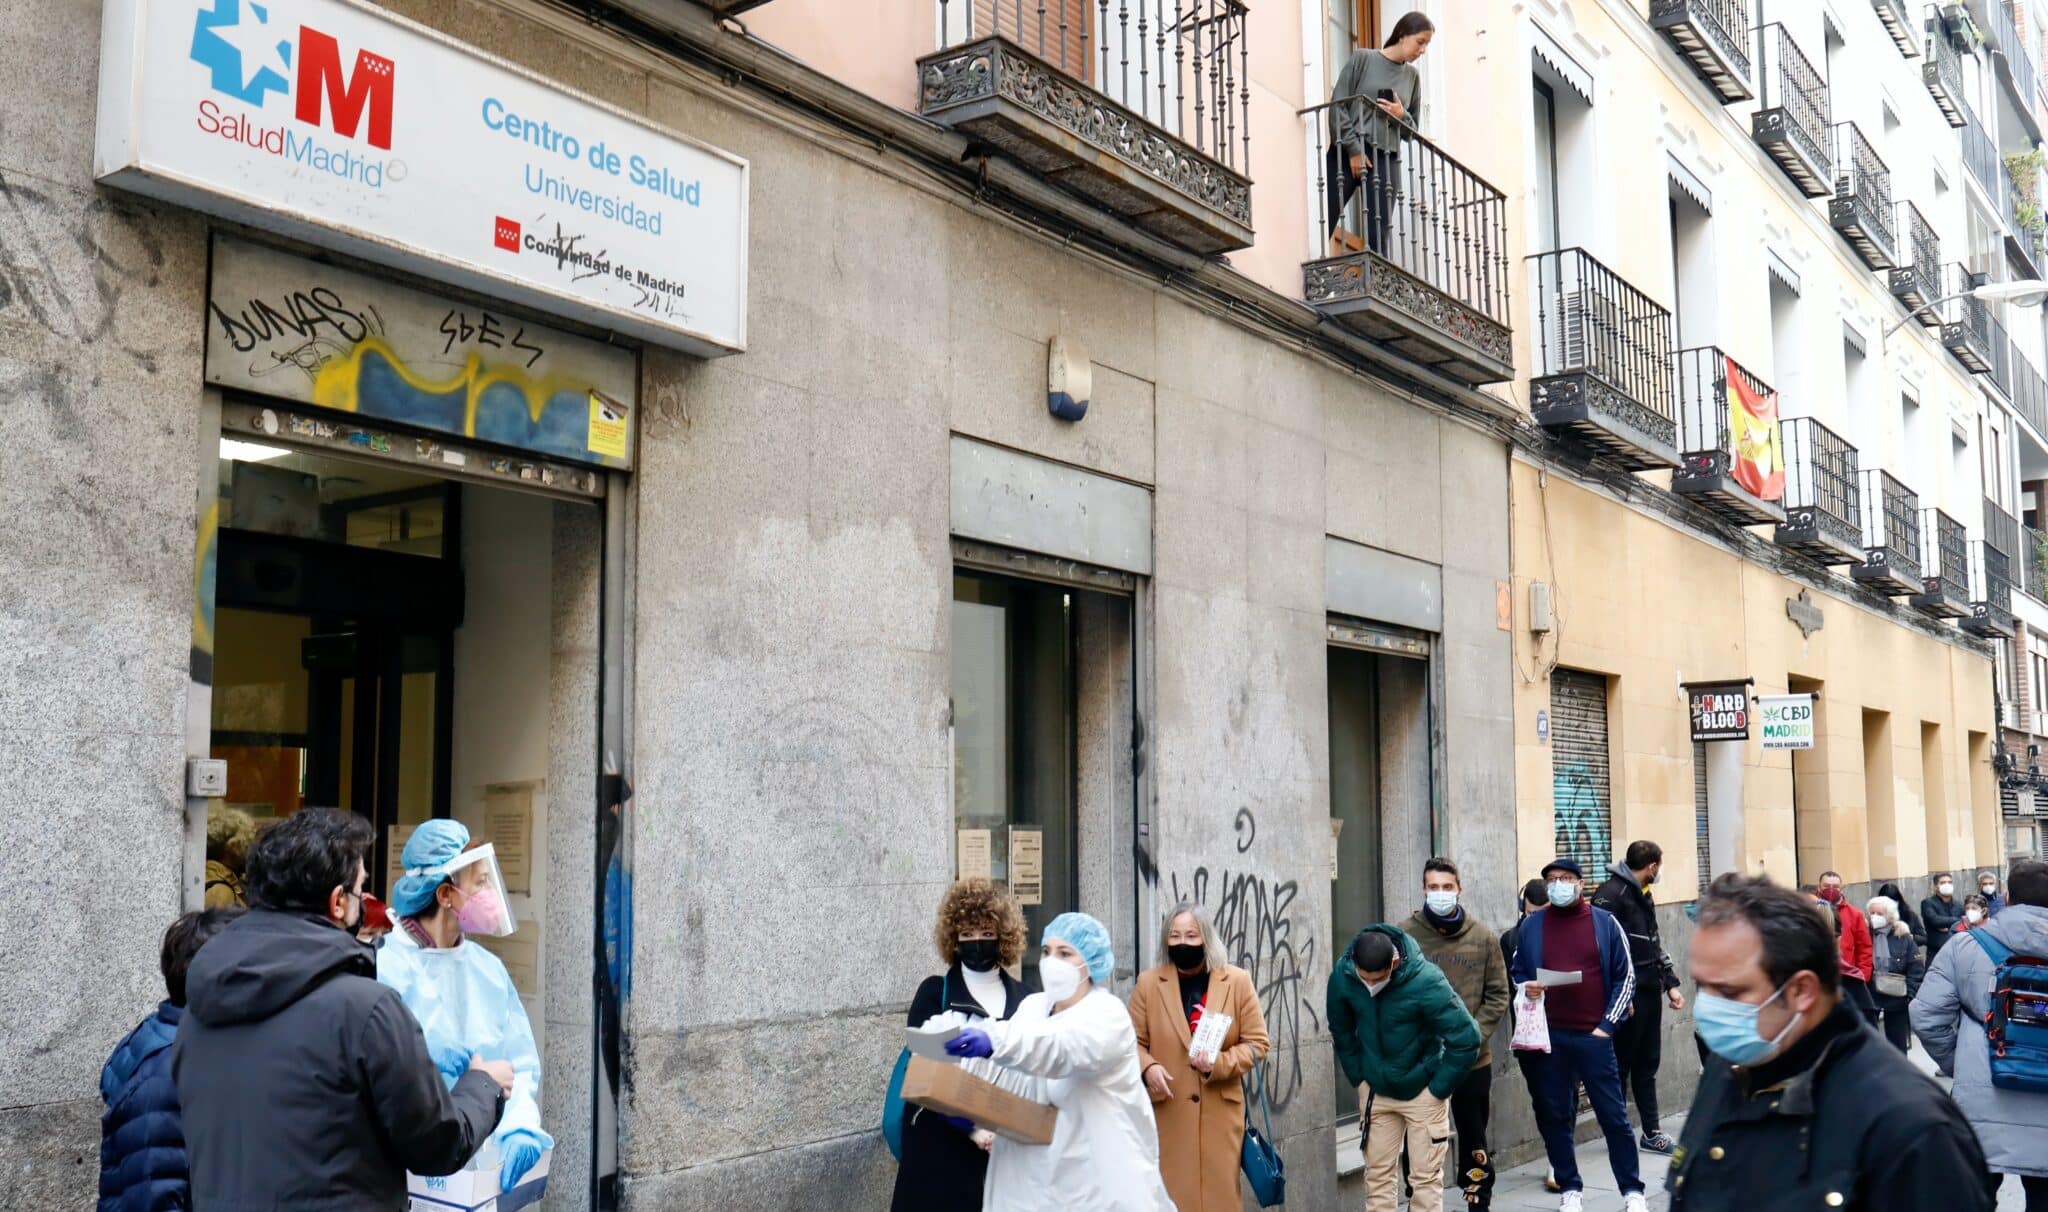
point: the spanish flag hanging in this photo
(1753, 431)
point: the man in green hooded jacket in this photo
(1405, 1039)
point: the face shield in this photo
(480, 903)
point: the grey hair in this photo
(1884, 905)
(1212, 951)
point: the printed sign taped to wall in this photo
(508, 826)
(1027, 865)
(1720, 710)
(1786, 720)
(302, 330)
(972, 854)
(394, 863)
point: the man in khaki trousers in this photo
(1404, 1037)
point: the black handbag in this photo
(1259, 1160)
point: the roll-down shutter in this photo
(1699, 812)
(1579, 779)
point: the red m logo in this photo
(320, 80)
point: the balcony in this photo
(1149, 118)
(1707, 470)
(1862, 206)
(2019, 70)
(1917, 283)
(1944, 567)
(1966, 322)
(1898, 22)
(1823, 509)
(1603, 360)
(1713, 38)
(2033, 564)
(1990, 593)
(2029, 391)
(1980, 154)
(1416, 256)
(2001, 530)
(1942, 73)
(1791, 121)
(1891, 536)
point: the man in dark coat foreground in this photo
(306, 1084)
(1802, 1105)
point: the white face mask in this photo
(1374, 987)
(1975, 915)
(1060, 978)
(1443, 904)
(1877, 921)
(1988, 887)
(1945, 888)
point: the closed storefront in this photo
(1580, 777)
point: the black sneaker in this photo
(1657, 1142)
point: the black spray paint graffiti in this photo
(1254, 924)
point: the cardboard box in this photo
(476, 1189)
(951, 1090)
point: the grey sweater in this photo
(1355, 116)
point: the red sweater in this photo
(1855, 941)
(1569, 945)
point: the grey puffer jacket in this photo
(1948, 1014)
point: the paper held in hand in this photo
(1209, 1035)
(931, 1042)
(1550, 978)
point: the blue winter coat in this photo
(1948, 1016)
(142, 1141)
(1617, 969)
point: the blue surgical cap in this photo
(434, 844)
(1089, 937)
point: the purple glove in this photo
(972, 1041)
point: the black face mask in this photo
(980, 954)
(1186, 956)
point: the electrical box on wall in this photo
(1539, 607)
(206, 778)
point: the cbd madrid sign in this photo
(335, 122)
(1787, 720)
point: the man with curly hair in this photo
(979, 935)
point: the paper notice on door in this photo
(971, 858)
(1336, 831)
(394, 862)
(508, 827)
(1550, 978)
(1027, 865)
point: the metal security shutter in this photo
(1699, 811)
(1579, 783)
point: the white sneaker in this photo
(1571, 1201)
(1634, 1202)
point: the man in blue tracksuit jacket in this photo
(1572, 935)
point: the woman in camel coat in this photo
(1198, 1101)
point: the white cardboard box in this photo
(476, 1189)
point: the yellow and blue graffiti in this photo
(491, 403)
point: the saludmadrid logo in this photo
(250, 52)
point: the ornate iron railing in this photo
(1820, 474)
(1182, 65)
(2001, 529)
(1891, 521)
(1966, 320)
(1417, 207)
(1861, 177)
(1790, 82)
(1942, 73)
(2033, 561)
(1945, 553)
(1920, 276)
(1990, 579)
(1589, 319)
(1702, 374)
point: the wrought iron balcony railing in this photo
(1412, 251)
(1862, 206)
(1707, 447)
(1990, 592)
(2020, 59)
(2029, 391)
(1980, 154)
(1944, 566)
(1891, 536)
(1823, 506)
(1942, 72)
(1603, 359)
(1713, 38)
(1791, 120)
(1141, 106)
(1966, 321)
(1898, 22)
(2001, 529)
(2033, 564)
(1917, 281)
(2001, 354)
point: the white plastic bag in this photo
(1532, 1026)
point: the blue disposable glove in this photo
(959, 1123)
(520, 1149)
(452, 1061)
(972, 1041)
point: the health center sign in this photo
(346, 126)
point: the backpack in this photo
(892, 1099)
(2016, 1025)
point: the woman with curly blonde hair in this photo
(979, 935)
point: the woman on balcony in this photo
(1377, 93)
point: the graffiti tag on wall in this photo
(1254, 922)
(1585, 828)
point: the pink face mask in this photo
(482, 913)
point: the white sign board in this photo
(1786, 719)
(341, 124)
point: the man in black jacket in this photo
(1801, 1106)
(1639, 1044)
(305, 1084)
(1940, 913)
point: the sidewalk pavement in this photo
(1521, 1189)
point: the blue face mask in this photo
(1728, 1027)
(1563, 893)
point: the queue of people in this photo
(375, 1063)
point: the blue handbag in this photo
(892, 1102)
(1260, 1161)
